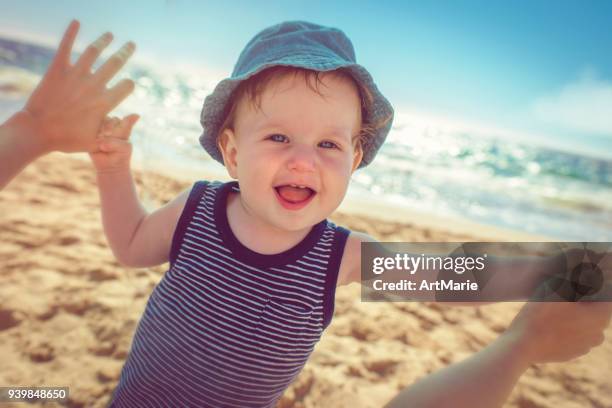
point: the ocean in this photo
(488, 178)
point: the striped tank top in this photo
(227, 326)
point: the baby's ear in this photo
(358, 155)
(226, 142)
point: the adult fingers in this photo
(599, 313)
(62, 57)
(599, 307)
(114, 63)
(92, 52)
(118, 93)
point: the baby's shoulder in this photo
(204, 188)
(350, 266)
(183, 205)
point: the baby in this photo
(254, 263)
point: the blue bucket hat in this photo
(297, 44)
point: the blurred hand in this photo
(114, 150)
(70, 103)
(559, 331)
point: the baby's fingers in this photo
(125, 126)
(114, 145)
(108, 127)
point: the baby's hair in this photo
(254, 87)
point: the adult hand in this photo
(559, 331)
(67, 108)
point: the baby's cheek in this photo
(337, 175)
(338, 163)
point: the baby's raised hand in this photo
(113, 146)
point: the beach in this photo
(68, 310)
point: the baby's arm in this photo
(136, 237)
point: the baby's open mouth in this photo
(294, 193)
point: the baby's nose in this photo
(302, 159)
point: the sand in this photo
(68, 310)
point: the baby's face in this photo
(294, 157)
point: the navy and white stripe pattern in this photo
(226, 326)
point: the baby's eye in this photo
(328, 145)
(278, 138)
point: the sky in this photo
(538, 67)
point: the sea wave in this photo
(17, 83)
(483, 177)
